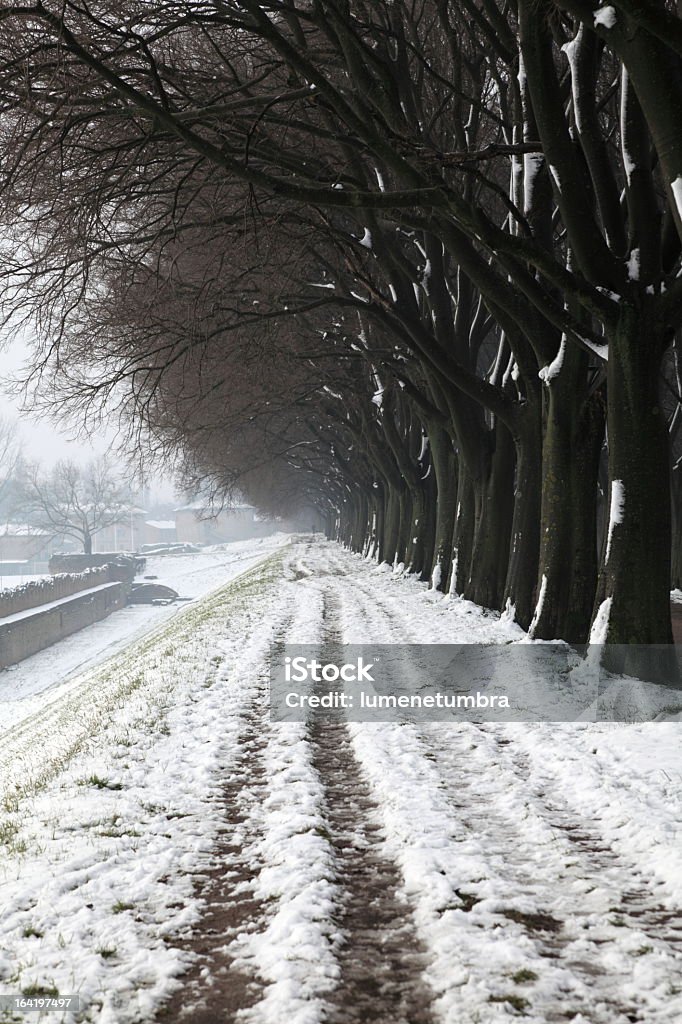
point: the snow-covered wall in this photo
(27, 632)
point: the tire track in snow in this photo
(553, 878)
(267, 941)
(217, 982)
(214, 982)
(380, 957)
(381, 960)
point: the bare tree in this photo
(10, 457)
(75, 501)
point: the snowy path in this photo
(347, 872)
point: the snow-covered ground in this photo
(386, 872)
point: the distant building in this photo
(196, 524)
(128, 535)
(159, 531)
(24, 548)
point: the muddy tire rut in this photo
(380, 957)
(213, 987)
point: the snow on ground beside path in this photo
(542, 862)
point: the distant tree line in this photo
(417, 265)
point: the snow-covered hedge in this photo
(39, 592)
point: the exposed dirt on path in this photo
(380, 957)
(214, 988)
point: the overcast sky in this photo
(48, 441)
(42, 438)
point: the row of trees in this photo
(417, 265)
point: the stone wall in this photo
(27, 632)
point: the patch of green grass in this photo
(516, 1002)
(9, 831)
(643, 950)
(10, 802)
(117, 833)
(120, 907)
(99, 782)
(151, 808)
(106, 952)
(125, 741)
(30, 932)
(35, 989)
(523, 976)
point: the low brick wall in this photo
(27, 632)
(39, 592)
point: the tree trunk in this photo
(418, 529)
(377, 514)
(463, 535)
(445, 470)
(405, 524)
(567, 572)
(490, 554)
(676, 573)
(585, 472)
(636, 567)
(429, 534)
(525, 535)
(391, 524)
(359, 522)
